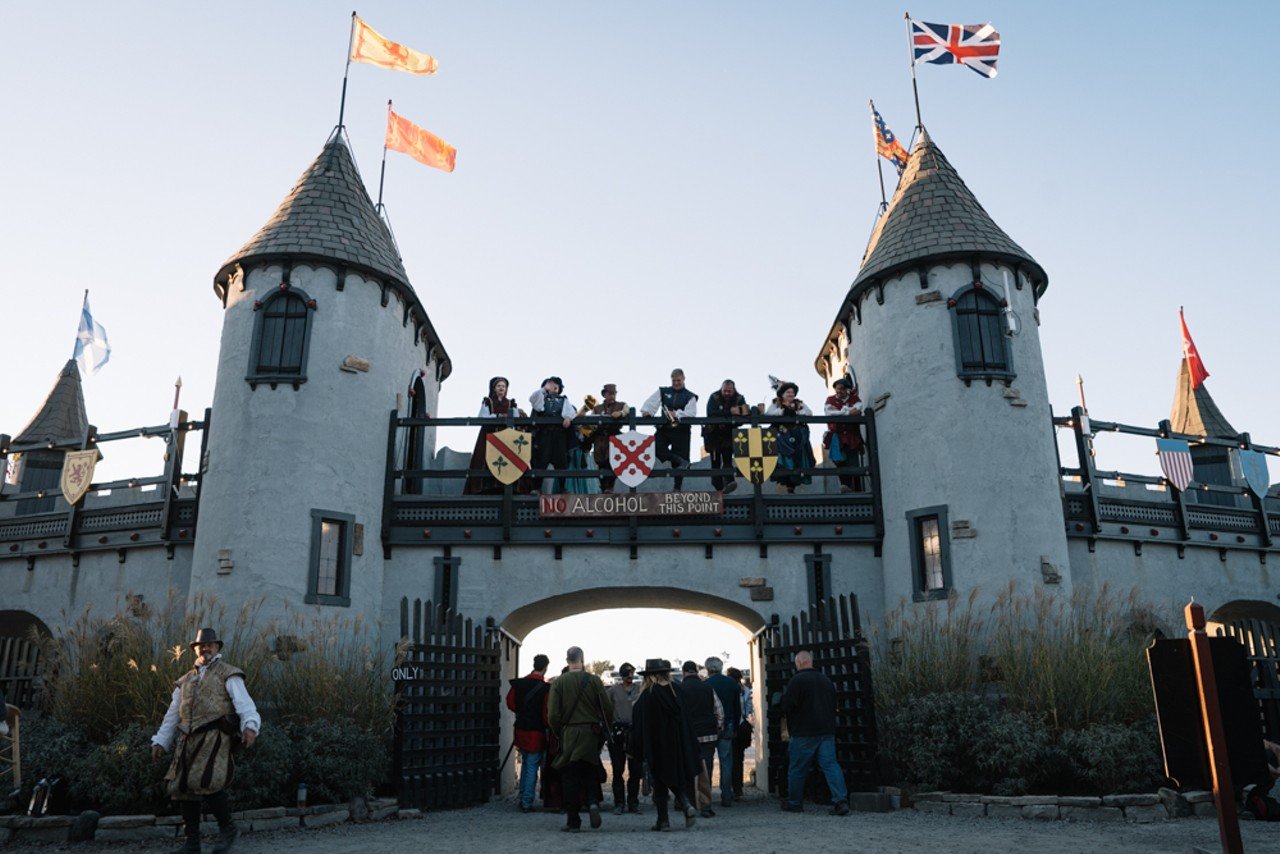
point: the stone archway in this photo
(524, 619)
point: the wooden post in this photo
(1224, 795)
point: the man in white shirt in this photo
(210, 708)
(675, 402)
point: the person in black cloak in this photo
(662, 739)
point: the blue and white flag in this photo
(92, 349)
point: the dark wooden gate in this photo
(1261, 641)
(832, 632)
(19, 671)
(448, 686)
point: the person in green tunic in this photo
(578, 712)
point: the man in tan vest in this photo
(211, 707)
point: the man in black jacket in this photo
(809, 702)
(706, 719)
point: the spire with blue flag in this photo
(92, 349)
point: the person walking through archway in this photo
(730, 695)
(626, 769)
(661, 737)
(527, 697)
(578, 713)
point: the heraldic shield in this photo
(755, 452)
(77, 473)
(1253, 466)
(508, 453)
(631, 457)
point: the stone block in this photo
(969, 810)
(1145, 813)
(168, 820)
(383, 813)
(1197, 797)
(84, 827)
(277, 823)
(358, 809)
(751, 582)
(138, 833)
(761, 594)
(960, 798)
(1074, 801)
(39, 834)
(1041, 812)
(115, 821)
(326, 818)
(928, 796)
(1130, 800)
(266, 812)
(1203, 809)
(1003, 800)
(1175, 804)
(1035, 800)
(940, 807)
(1003, 811)
(928, 297)
(1069, 813)
(409, 814)
(870, 802)
(382, 803)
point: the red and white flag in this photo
(1189, 352)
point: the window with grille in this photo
(982, 349)
(281, 338)
(331, 554)
(930, 552)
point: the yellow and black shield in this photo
(508, 453)
(755, 452)
(77, 473)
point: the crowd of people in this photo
(664, 735)
(575, 446)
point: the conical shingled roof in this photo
(1194, 411)
(62, 416)
(328, 215)
(934, 215)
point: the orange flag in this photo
(368, 46)
(418, 143)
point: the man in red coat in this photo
(528, 699)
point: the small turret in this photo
(61, 420)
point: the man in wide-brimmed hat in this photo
(210, 709)
(661, 736)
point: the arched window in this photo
(281, 336)
(982, 350)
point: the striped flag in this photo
(419, 143)
(1175, 461)
(92, 350)
(887, 144)
(973, 45)
(368, 46)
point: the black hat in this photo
(782, 389)
(690, 666)
(654, 666)
(843, 381)
(205, 636)
(559, 382)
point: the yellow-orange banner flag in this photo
(419, 143)
(368, 46)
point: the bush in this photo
(338, 760)
(51, 749)
(966, 743)
(1110, 758)
(121, 777)
(264, 772)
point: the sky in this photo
(639, 187)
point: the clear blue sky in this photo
(639, 186)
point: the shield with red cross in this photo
(631, 456)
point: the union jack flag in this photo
(887, 145)
(975, 45)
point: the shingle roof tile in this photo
(62, 415)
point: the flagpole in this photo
(351, 37)
(382, 174)
(911, 52)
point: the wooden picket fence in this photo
(447, 725)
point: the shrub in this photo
(927, 649)
(120, 776)
(264, 772)
(1109, 758)
(965, 742)
(338, 760)
(51, 749)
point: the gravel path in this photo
(752, 825)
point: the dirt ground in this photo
(754, 824)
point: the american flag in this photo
(887, 145)
(975, 45)
(1175, 461)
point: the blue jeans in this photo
(803, 749)
(529, 763)
(724, 749)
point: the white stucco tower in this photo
(969, 483)
(322, 337)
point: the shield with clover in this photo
(755, 452)
(508, 453)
